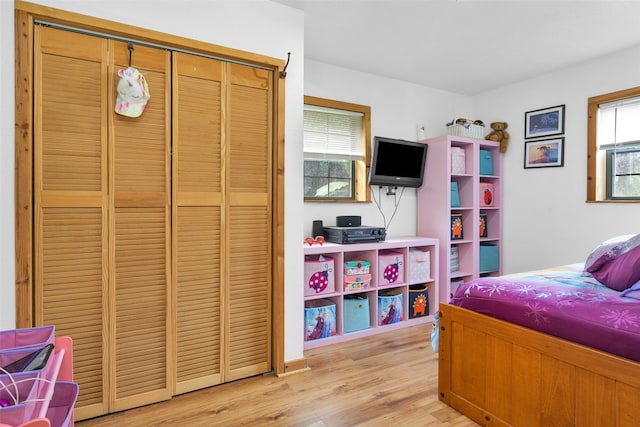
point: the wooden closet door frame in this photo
(25, 16)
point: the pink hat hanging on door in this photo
(133, 93)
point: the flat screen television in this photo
(397, 163)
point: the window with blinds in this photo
(619, 146)
(335, 150)
(614, 146)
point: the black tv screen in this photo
(397, 163)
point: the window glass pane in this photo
(628, 163)
(328, 179)
(625, 174)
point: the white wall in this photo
(397, 108)
(258, 26)
(546, 219)
(7, 217)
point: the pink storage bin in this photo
(487, 195)
(390, 267)
(27, 338)
(319, 275)
(419, 265)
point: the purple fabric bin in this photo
(62, 402)
(27, 387)
(27, 338)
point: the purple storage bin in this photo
(27, 384)
(62, 402)
(27, 338)
(35, 391)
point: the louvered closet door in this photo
(139, 170)
(102, 218)
(198, 220)
(70, 192)
(248, 304)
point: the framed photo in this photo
(544, 122)
(544, 153)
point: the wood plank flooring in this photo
(387, 380)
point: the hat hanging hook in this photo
(130, 47)
(283, 73)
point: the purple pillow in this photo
(632, 292)
(616, 264)
(596, 255)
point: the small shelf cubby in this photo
(363, 307)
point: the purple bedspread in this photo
(560, 302)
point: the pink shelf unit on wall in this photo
(479, 186)
(395, 266)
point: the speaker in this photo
(316, 229)
(348, 221)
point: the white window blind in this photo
(619, 122)
(332, 134)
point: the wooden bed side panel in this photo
(500, 374)
(557, 391)
(595, 399)
(498, 369)
(526, 365)
(466, 365)
(627, 408)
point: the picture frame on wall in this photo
(544, 153)
(544, 122)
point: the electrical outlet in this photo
(420, 132)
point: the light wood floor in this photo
(387, 380)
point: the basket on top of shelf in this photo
(466, 127)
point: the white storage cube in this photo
(458, 166)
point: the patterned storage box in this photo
(353, 268)
(318, 275)
(484, 231)
(389, 307)
(357, 282)
(456, 227)
(356, 312)
(419, 265)
(390, 267)
(458, 165)
(486, 194)
(319, 319)
(418, 301)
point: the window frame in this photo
(592, 143)
(362, 192)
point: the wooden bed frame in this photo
(501, 374)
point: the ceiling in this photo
(464, 46)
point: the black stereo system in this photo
(349, 230)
